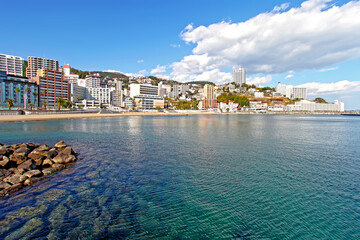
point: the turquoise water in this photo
(193, 177)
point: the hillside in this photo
(82, 74)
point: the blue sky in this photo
(194, 40)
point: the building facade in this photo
(239, 75)
(209, 99)
(12, 65)
(100, 95)
(71, 78)
(92, 80)
(36, 63)
(308, 106)
(146, 96)
(51, 86)
(21, 89)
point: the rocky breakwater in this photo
(26, 163)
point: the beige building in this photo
(209, 100)
(36, 63)
(12, 65)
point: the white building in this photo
(12, 65)
(146, 96)
(258, 94)
(176, 89)
(93, 80)
(258, 105)
(228, 107)
(239, 75)
(72, 78)
(117, 94)
(291, 92)
(184, 88)
(305, 105)
(99, 94)
(77, 93)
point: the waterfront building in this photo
(92, 80)
(24, 91)
(290, 91)
(298, 93)
(209, 98)
(77, 92)
(117, 94)
(258, 106)
(12, 65)
(146, 96)
(258, 94)
(100, 95)
(176, 89)
(308, 106)
(72, 78)
(36, 63)
(51, 86)
(228, 107)
(239, 75)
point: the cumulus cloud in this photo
(315, 35)
(159, 69)
(282, 7)
(341, 87)
(259, 80)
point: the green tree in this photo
(44, 103)
(26, 95)
(79, 97)
(60, 102)
(31, 105)
(10, 103)
(320, 100)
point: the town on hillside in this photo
(39, 84)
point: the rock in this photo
(4, 185)
(27, 165)
(42, 148)
(38, 163)
(5, 173)
(32, 146)
(5, 151)
(5, 162)
(58, 166)
(17, 159)
(60, 145)
(12, 189)
(47, 163)
(17, 171)
(48, 171)
(16, 146)
(15, 179)
(51, 153)
(31, 181)
(33, 173)
(22, 150)
(35, 155)
(65, 156)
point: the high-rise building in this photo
(12, 65)
(36, 63)
(93, 80)
(209, 100)
(146, 96)
(239, 75)
(51, 86)
(23, 90)
(117, 96)
(291, 92)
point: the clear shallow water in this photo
(193, 177)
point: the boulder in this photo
(65, 156)
(4, 185)
(42, 148)
(58, 166)
(60, 145)
(48, 171)
(5, 151)
(38, 163)
(17, 159)
(35, 155)
(27, 165)
(5, 173)
(47, 163)
(51, 153)
(32, 146)
(17, 171)
(15, 179)
(33, 180)
(33, 173)
(5, 162)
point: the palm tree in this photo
(17, 90)
(27, 90)
(44, 103)
(10, 103)
(31, 106)
(60, 101)
(35, 94)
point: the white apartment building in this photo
(77, 93)
(102, 95)
(239, 75)
(228, 107)
(117, 94)
(305, 105)
(258, 94)
(72, 78)
(146, 96)
(93, 80)
(291, 92)
(12, 65)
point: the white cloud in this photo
(312, 36)
(290, 75)
(143, 72)
(112, 71)
(328, 69)
(282, 7)
(140, 61)
(345, 86)
(259, 80)
(175, 45)
(159, 69)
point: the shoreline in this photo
(52, 117)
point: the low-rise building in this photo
(102, 95)
(146, 96)
(228, 107)
(22, 90)
(308, 106)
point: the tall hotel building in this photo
(239, 75)
(209, 100)
(12, 65)
(51, 86)
(36, 63)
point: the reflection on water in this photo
(192, 177)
